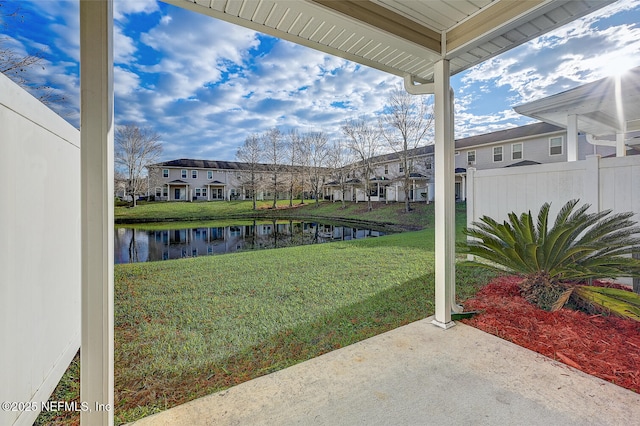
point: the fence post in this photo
(471, 199)
(636, 280)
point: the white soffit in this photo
(402, 37)
(607, 106)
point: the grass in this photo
(388, 214)
(196, 211)
(190, 327)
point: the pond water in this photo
(137, 245)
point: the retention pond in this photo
(139, 244)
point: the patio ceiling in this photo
(401, 37)
(603, 108)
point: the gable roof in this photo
(605, 107)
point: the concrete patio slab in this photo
(417, 375)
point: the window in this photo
(183, 173)
(165, 191)
(158, 192)
(428, 163)
(204, 192)
(497, 154)
(209, 174)
(555, 146)
(165, 173)
(400, 168)
(198, 192)
(471, 157)
(386, 169)
(194, 174)
(516, 151)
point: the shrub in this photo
(579, 246)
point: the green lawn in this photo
(389, 214)
(190, 327)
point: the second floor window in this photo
(165, 173)
(194, 174)
(516, 151)
(386, 169)
(555, 146)
(209, 174)
(471, 157)
(497, 154)
(183, 174)
(400, 169)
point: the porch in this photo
(417, 374)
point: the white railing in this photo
(39, 250)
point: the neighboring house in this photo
(537, 143)
(386, 183)
(204, 180)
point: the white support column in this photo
(572, 137)
(444, 196)
(96, 135)
(621, 149)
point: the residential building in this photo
(204, 180)
(537, 143)
(387, 181)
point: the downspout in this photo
(445, 227)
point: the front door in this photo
(177, 194)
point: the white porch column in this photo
(572, 137)
(96, 147)
(444, 196)
(621, 149)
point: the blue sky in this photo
(204, 85)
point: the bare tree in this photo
(316, 146)
(363, 140)
(293, 148)
(250, 153)
(405, 125)
(273, 147)
(16, 65)
(339, 159)
(135, 149)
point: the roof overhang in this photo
(401, 37)
(605, 107)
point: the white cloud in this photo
(123, 8)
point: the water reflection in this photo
(134, 245)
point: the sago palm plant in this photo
(578, 246)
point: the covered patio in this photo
(422, 42)
(417, 375)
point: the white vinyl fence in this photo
(604, 183)
(39, 251)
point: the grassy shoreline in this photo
(387, 215)
(187, 328)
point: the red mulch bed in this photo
(603, 346)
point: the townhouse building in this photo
(205, 180)
(537, 143)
